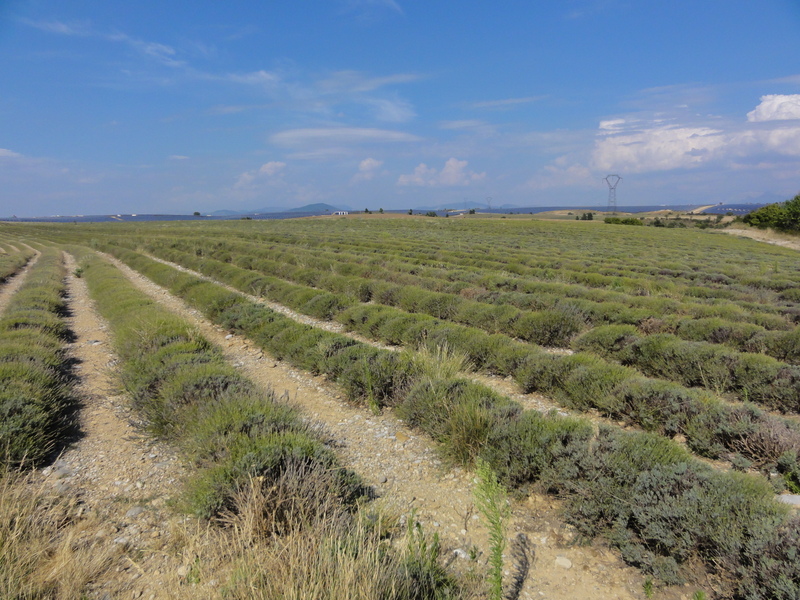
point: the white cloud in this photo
(59, 27)
(264, 172)
(367, 169)
(368, 9)
(463, 124)
(656, 148)
(453, 173)
(783, 141)
(262, 77)
(178, 157)
(776, 107)
(154, 50)
(339, 135)
(355, 81)
(392, 111)
(612, 125)
(5, 153)
(272, 168)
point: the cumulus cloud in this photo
(637, 145)
(367, 169)
(776, 107)
(454, 173)
(655, 148)
(265, 171)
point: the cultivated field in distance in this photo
(646, 379)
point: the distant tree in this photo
(791, 220)
(380, 210)
(472, 211)
(784, 216)
(196, 213)
(410, 211)
(431, 213)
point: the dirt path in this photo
(13, 283)
(121, 478)
(503, 385)
(404, 469)
(768, 236)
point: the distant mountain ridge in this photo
(310, 208)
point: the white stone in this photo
(563, 562)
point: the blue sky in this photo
(171, 107)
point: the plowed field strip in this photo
(530, 401)
(404, 469)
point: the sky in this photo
(200, 105)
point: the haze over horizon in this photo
(172, 107)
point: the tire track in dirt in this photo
(403, 467)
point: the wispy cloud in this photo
(506, 102)
(5, 153)
(265, 172)
(370, 10)
(161, 53)
(260, 78)
(76, 28)
(339, 135)
(356, 81)
(454, 173)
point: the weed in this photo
(490, 499)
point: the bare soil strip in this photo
(767, 236)
(13, 283)
(404, 469)
(504, 385)
(121, 477)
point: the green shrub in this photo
(531, 448)
(457, 413)
(607, 340)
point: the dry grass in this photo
(440, 363)
(770, 236)
(47, 550)
(292, 540)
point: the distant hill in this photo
(308, 208)
(318, 207)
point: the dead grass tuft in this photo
(47, 550)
